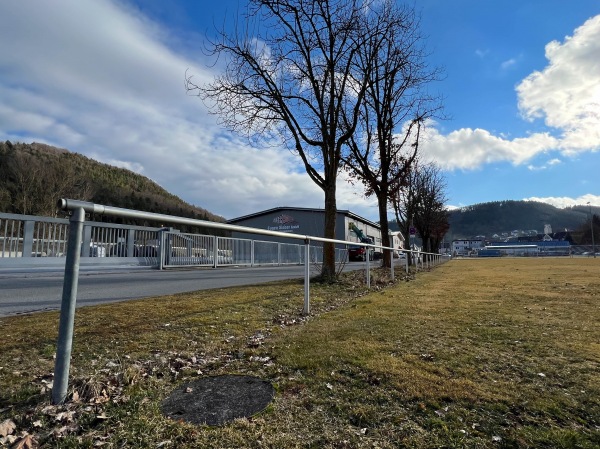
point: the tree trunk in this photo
(328, 272)
(406, 232)
(385, 230)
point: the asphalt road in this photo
(35, 290)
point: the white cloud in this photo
(566, 94)
(508, 63)
(564, 201)
(531, 167)
(100, 79)
(468, 148)
(549, 163)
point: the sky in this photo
(105, 79)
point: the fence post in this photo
(406, 261)
(392, 264)
(215, 251)
(67, 308)
(161, 250)
(87, 240)
(306, 310)
(130, 243)
(368, 250)
(28, 228)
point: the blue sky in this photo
(105, 78)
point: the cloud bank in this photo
(99, 78)
(562, 202)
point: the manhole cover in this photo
(218, 400)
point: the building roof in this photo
(303, 209)
(551, 243)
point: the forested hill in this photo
(501, 217)
(34, 176)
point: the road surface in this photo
(37, 290)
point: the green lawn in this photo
(491, 353)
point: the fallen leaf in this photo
(26, 442)
(7, 427)
(65, 416)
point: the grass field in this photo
(494, 353)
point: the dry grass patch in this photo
(475, 354)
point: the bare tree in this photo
(61, 180)
(295, 80)
(431, 217)
(395, 107)
(421, 204)
(403, 198)
(27, 175)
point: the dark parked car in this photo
(359, 253)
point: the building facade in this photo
(306, 221)
(465, 247)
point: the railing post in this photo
(368, 256)
(130, 243)
(161, 250)
(67, 308)
(28, 228)
(215, 251)
(306, 310)
(87, 240)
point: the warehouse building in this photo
(306, 221)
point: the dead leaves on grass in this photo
(8, 437)
(92, 396)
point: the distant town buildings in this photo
(516, 243)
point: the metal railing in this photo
(73, 256)
(24, 239)
(26, 236)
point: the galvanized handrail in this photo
(69, 296)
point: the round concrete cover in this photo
(218, 400)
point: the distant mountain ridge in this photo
(503, 217)
(33, 176)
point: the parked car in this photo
(97, 250)
(356, 252)
(399, 254)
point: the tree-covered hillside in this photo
(505, 216)
(34, 176)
